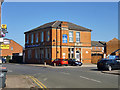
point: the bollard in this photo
(54, 64)
(45, 63)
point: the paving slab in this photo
(18, 81)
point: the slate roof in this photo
(96, 43)
(56, 24)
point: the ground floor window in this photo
(71, 53)
(29, 54)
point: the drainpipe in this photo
(60, 43)
(56, 43)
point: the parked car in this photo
(108, 64)
(73, 62)
(60, 62)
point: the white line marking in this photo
(90, 79)
(65, 73)
(10, 71)
(45, 79)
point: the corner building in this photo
(58, 39)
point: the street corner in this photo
(114, 72)
(18, 81)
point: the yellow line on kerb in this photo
(35, 81)
(38, 82)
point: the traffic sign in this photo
(4, 26)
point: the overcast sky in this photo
(101, 17)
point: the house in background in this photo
(58, 39)
(111, 47)
(9, 48)
(97, 51)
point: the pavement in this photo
(19, 81)
(42, 65)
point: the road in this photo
(80, 77)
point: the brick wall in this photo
(112, 45)
(16, 49)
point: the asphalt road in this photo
(81, 77)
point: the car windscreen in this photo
(64, 59)
(104, 61)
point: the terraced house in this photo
(58, 39)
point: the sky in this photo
(100, 17)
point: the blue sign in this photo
(64, 38)
(28, 46)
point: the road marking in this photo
(45, 79)
(65, 73)
(35, 81)
(10, 71)
(38, 82)
(90, 79)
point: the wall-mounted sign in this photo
(6, 41)
(1, 39)
(4, 46)
(64, 38)
(28, 46)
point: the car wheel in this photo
(99, 69)
(80, 65)
(109, 68)
(59, 64)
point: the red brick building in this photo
(97, 51)
(112, 46)
(14, 47)
(58, 39)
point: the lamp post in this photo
(1, 1)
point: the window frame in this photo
(42, 36)
(32, 37)
(36, 37)
(70, 36)
(77, 38)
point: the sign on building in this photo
(4, 46)
(64, 38)
(6, 41)
(1, 39)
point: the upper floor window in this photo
(36, 36)
(11, 48)
(77, 36)
(48, 36)
(31, 38)
(42, 36)
(71, 36)
(27, 39)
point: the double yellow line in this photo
(38, 82)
